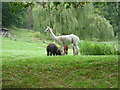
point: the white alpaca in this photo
(65, 40)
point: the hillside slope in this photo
(25, 65)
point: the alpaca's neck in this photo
(53, 35)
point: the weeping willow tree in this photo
(81, 21)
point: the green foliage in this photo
(40, 36)
(92, 48)
(87, 20)
(81, 21)
(109, 10)
(13, 13)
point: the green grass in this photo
(11, 48)
(22, 34)
(25, 65)
(61, 71)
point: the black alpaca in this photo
(52, 49)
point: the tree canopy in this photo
(89, 20)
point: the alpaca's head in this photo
(66, 49)
(48, 29)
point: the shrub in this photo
(36, 34)
(92, 48)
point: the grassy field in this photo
(25, 65)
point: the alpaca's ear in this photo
(47, 26)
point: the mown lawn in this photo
(25, 65)
(61, 71)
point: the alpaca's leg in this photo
(62, 50)
(73, 50)
(50, 53)
(66, 53)
(53, 54)
(76, 49)
(47, 53)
